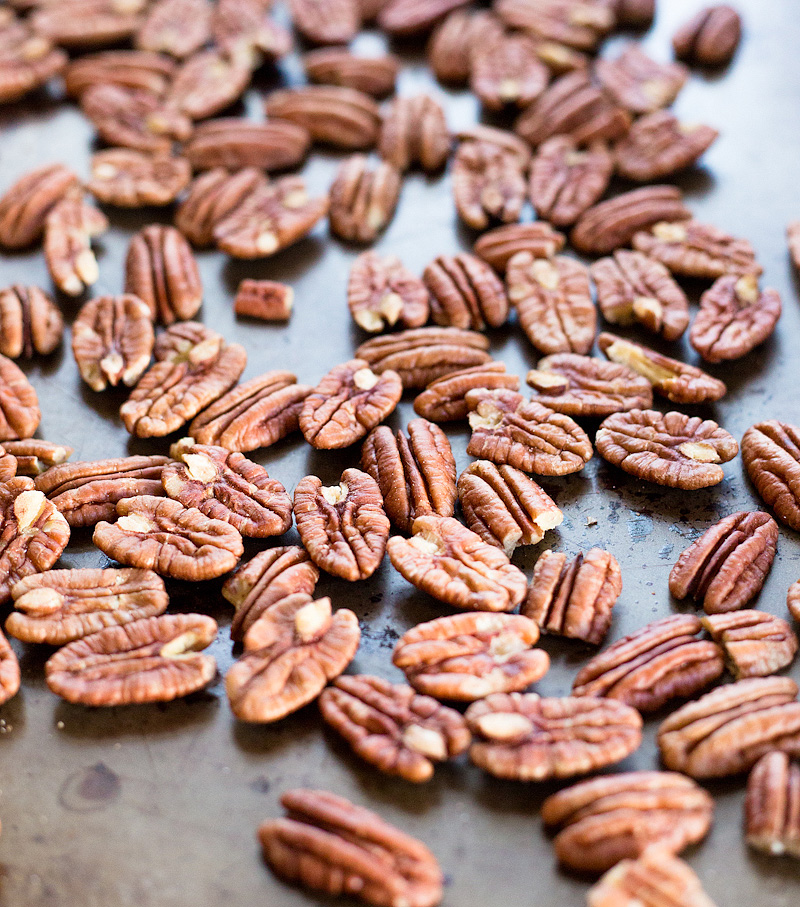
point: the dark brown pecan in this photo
(671, 378)
(574, 598)
(19, 405)
(638, 83)
(755, 644)
(267, 300)
(382, 292)
(772, 806)
(468, 656)
(340, 117)
(327, 844)
(734, 318)
(444, 400)
(455, 566)
(343, 527)
(771, 455)
(660, 662)
(793, 242)
(349, 401)
(194, 367)
(524, 738)
(416, 475)
(729, 729)
(655, 879)
(25, 205)
(60, 606)
(414, 131)
(452, 45)
(271, 218)
(634, 13)
(175, 27)
(30, 322)
(34, 456)
(612, 223)
(616, 817)
(88, 23)
(135, 69)
(27, 61)
(211, 198)
(9, 671)
(582, 386)
(726, 567)
(670, 449)
(507, 72)
(254, 414)
(505, 507)
(363, 200)
(291, 652)
(413, 17)
(659, 145)
(465, 292)
(161, 270)
(69, 229)
(234, 143)
(711, 37)
(265, 580)
(499, 246)
(244, 30)
(33, 534)
(130, 179)
(553, 302)
(148, 660)
(207, 83)
(374, 76)
(326, 21)
(392, 727)
(577, 23)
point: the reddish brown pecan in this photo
(69, 229)
(244, 30)
(326, 21)
(469, 656)
(34, 456)
(340, 117)
(267, 300)
(382, 292)
(88, 23)
(453, 43)
(565, 181)
(176, 27)
(711, 37)
(8, 465)
(638, 83)
(499, 246)
(507, 72)
(375, 76)
(363, 200)
(207, 83)
(414, 131)
(444, 400)
(9, 671)
(772, 806)
(19, 405)
(30, 322)
(25, 205)
(465, 292)
(234, 143)
(211, 198)
(413, 17)
(135, 69)
(755, 644)
(130, 179)
(793, 242)
(27, 61)
(771, 455)
(577, 23)
(659, 145)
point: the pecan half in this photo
(670, 449)
(454, 42)
(413, 17)
(19, 405)
(24, 206)
(88, 23)
(382, 292)
(340, 117)
(30, 322)
(130, 179)
(326, 21)
(793, 600)
(772, 806)
(234, 143)
(211, 198)
(444, 400)
(499, 246)
(34, 456)
(771, 455)
(9, 671)
(524, 738)
(638, 83)
(27, 62)
(207, 83)
(465, 292)
(659, 145)
(755, 644)
(69, 229)
(176, 27)
(577, 23)
(375, 76)
(468, 656)
(574, 598)
(507, 71)
(135, 69)
(414, 131)
(267, 300)
(392, 727)
(8, 465)
(711, 37)
(244, 30)
(726, 567)
(363, 201)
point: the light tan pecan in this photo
(772, 806)
(468, 656)
(329, 845)
(574, 598)
(326, 21)
(60, 606)
(659, 145)
(9, 671)
(19, 405)
(135, 69)
(382, 292)
(793, 242)
(234, 143)
(245, 31)
(34, 456)
(414, 131)
(375, 76)
(617, 817)
(207, 83)
(130, 179)
(505, 507)
(444, 400)
(565, 181)
(392, 727)
(211, 198)
(507, 72)
(88, 23)
(521, 737)
(413, 17)
(332, 115)
(755, 644)
(499, 246)
(455, 566)
(459, 36)
(709, 38)
(24, 206)
(577, 23)
(465, 292)
(267, 300)
(638, 83)
(771, 455)
(69, 229)
(363, 200)
(27, 62)
(30, 322)
(175, 27)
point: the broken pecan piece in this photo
(659, 145)
(375, 76)
(19, 404)
(382, 292)
(499, 246)
(638, 83)
(444, 400)
(69, 228)
(711, 37)
(175, 27)
(326, 21)
(465, 292)
(414, 131)
(34, 456)
(30, 322)
(267, 300)
(9, 671)
(771, 455)
(211, 198)
(772, 806)
(24, 206)
(363, 201)
(234, 143)
(755, 644)
(131, 179)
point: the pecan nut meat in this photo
(25, 205)
(30, 322)
(772, 806)
(711, 37)
(755, 644)
(136, 69)
(234, 143)
(444, 400)
(175, 27)
(638, 83)
(363, 201)
(266, 300)
(28, 61)
(659, 145)
(413, 17)
(35, 456)
(19, 404)
(10, 676)
(465, 292)
(507, 72)
(382, 293)
(69, 229)
(207, 83)
(498, 246)
(211, 198)
(414, 131)
(453, 43)
(326, 21)
(375, 76)
(577, 23)
(131, 179)
(771, 455)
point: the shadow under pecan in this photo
(10, 676)
(444, 400)
(497, 247)
(382, 292)
(638, 83)
(25, 205)
(465, 292)
(83, 24)
(363, 201)
(135, 69)
(212, 196)
(709, 38)
(507, 72)
(326, 21)
(154, 659)
(771, 455)
(208, 82)
(414, 131)
(375, 76)
(30, 322)
(755, 644)
(175, 27)
(234, 143)
(659, 145)
(35, 456)
(772, 806)
(520, 737)
(69, 229)
(468, 656)
(131, 179)
(727, 566)
(19, 404)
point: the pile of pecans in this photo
(581, 127)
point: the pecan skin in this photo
(658, 146)
(326, 21)
(135, 69)
(35, 456)
(772, 806)
(465, 293)
(497, 247)
(444, 400)
(175, 27)
(566, 181)
(507, 72)
(453, 43)
(267, 300)
(234, 144)
(363, 201)
(375, 76)
(19, 404)
(414, 131)
(30, 322)
(575, 23)
(755, 644)
(771, 456)
(382, 292)
(207, 83)
(131, 179)
(638, 83)
(69, 229)
(413, 17)
(211, 198)
(10, 676)
(25, 205)
(710, 38)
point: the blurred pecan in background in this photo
(30, 322)
(772, 806)
(566, 180)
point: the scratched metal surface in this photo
(159, 805)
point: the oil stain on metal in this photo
(90, 789)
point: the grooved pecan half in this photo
(524, 738)
(88, 23)
(755, 644)
(326, 21)
(771, 455)
(444, 400)
(469, 656)
(130, 179)
(375, 76)
(211, 198)
(507, 72)
(617, 817)
(413, 17)
(24, 206)
(577, 23)
(30, 322)
(382, 292)
(175, 27)
(565, 181)
(499, 246)
(455, 566)
(267, 300)
(363, 200)
(19, 405)
(34, 456)
(414, 131)
(726, 567)
(659, 145)
(392, 727)
(234, 143)
(69, 229)
(135, 69)
(574, 598)
(457, 39)
(27, 61)
(244, 30)
(465, 292)
(711, 37)
(9, 671)
(207, 83)
(772, 806)
(638, 83)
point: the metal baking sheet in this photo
(157, 806)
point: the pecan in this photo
(671, 378)
(638, 83)
(772, 806)
(565, 181)
(60, 606)
(465, 292)
(755, 644)
(194, 367)
(454, 42)
(734, 318)
(8, 465)
(729, 729)
(207, 83)
(148, 660)
(88, 23)
(659, 145)
(329, 845)
(211, 198)
(19, 405)
(726, 567)
(30, 322)
(793, 242)
(244, 30)
(291, 652)
(574, 598)
(499, 246)
(326, 21)
(792, 599)
(382, 292)
(468, 656)
(507, 71)
(34, 456)
(455, 566)
(612, 223)
(234, 143)
(254, 414)
(670, 449)
(25, 205)
(413, 17)
(9, 671)
(582, 386)
(414, 131)
(524, 738)
(27, 63)
(505, 507)
(416, 475)
(634, 13)
(577, 23)
(553, 302)
(69, 229)
(392, 727)
(771, 455)
(130, 179)
(507, 429)
(711, 37)
(176, 27)
(605, 820)
(375, 76)
(134, 69)
(267, 300)
(161, 270)
(340, 117)
(444, 400)
(363, 201)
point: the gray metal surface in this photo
(157, 806)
